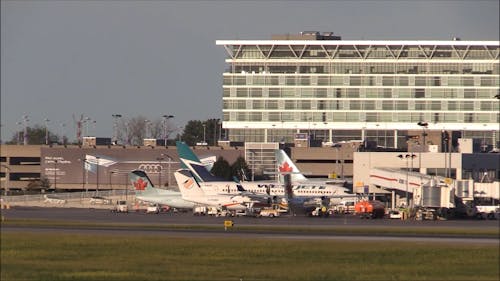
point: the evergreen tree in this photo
(35, 135)
(240, 169)
(222, 168)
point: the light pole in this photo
(46, 131)
(216, 124)
(87, 121)
(204, 133)
(407, 156)
(146, 122)
(55, 175)
(165, 120)
(110, 184)
(97, 176)
(20, 133)
(424, 134)
(253, 164)
(168, 171)
(337, 148)
(63, 125)
(25, 134)
(94, 122)
(115, 127)
(424, 126)
(160, 170)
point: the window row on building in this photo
(359, 104)
(361, 116)
(363, 80)
(387, 92)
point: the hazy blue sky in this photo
(96, 58)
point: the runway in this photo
(102, 215)
(106, 222)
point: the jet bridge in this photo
(423, 190)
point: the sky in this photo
(97, 58)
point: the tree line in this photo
(132, 131)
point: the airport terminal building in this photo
(332, 90)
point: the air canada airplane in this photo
(145, 191)
(193, 191)
(300, 185)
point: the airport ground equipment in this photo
(488, 212)
(121, 207)
(370, 209)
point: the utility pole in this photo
(97, 176)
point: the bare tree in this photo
(134, 130)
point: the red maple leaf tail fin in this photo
(140, 181)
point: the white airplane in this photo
(300, 187)
(145, 191)
(193, 191)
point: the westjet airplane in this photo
(145, 191)
(193, 191)
(300, 185)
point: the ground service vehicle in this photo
(121, 207)
(344, 207)
(370, 209)
(320, 212)
(153, 209)
(271, 213)
(488, 212)
(199, 210)
(395, 214)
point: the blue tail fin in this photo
(190, 161)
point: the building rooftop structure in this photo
(378, 90)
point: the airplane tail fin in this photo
(188, 186)
(141, 183)
(190, 161)
(285, 165)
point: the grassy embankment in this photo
(63, 256)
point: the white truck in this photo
(199, 210)
(153, 209)
(488, 212)
(270, 213)
(121, 207)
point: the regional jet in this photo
(193, 191)
(145, 191)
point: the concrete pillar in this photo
(393, 199)
(395, 138)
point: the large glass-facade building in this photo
(338, 90)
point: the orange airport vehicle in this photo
(370, 209)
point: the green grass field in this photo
(56, 256)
